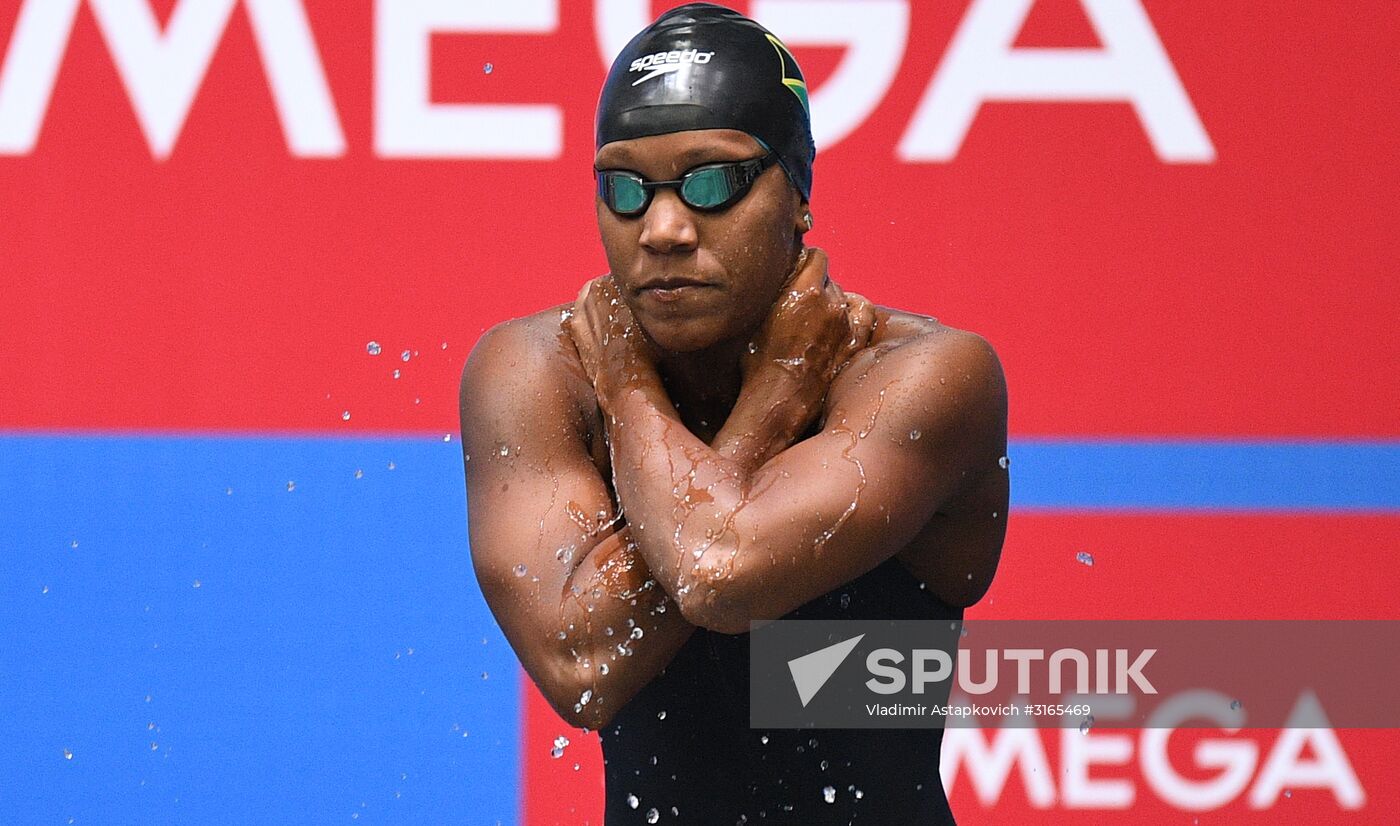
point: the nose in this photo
(668, 224)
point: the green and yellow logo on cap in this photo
(792, 76)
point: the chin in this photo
(682, 335)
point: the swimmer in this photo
(716, 434)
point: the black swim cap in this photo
(703, 66)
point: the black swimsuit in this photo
(683, 746)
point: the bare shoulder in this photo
(521, 367)
(941, 361)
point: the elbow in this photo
(590, 716)
(714, 600)
(574, 696)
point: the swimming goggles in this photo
(707, 188)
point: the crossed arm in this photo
(907, 427)
(597, 595)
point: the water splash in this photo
(829, 794)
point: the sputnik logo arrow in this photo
(811, 671)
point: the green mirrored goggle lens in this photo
(628, 194)
(707, 188)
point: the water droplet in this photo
(484, 675)
(73, 544)
(447, 437)
(575, 767)
(653, 815)
(1004, 462)
(603, 669)
(228, 491)
(391, 466)
(753, 348)
(488, 69)
(155, 746)
(859, 794)
(406, 355)
(661, 715)
(636, 633)
(1086, 725)
(67, 755)
(373, 348)
(1084, 558)
(633, 801)
(829, 794)
(1235, 705)
(1287, 792)
(763, 739)
(585, 696)
(345, 416)
(520, 569)
(505, 450)
(151, 726)
(914, 435)
(197, 583)
(148, 698)
(359, 473)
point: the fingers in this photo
(860, 312)
(811, 271)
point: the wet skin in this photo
(716, 434)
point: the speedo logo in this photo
(663, 62)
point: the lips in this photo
(673, 283)
(669, 289)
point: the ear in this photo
(802, 218)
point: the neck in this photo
(703, 384)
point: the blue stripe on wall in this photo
(1206, 476)
(336, 658)
(282, 688)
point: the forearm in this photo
(681, 497)
(771, 414)
(619, 628)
